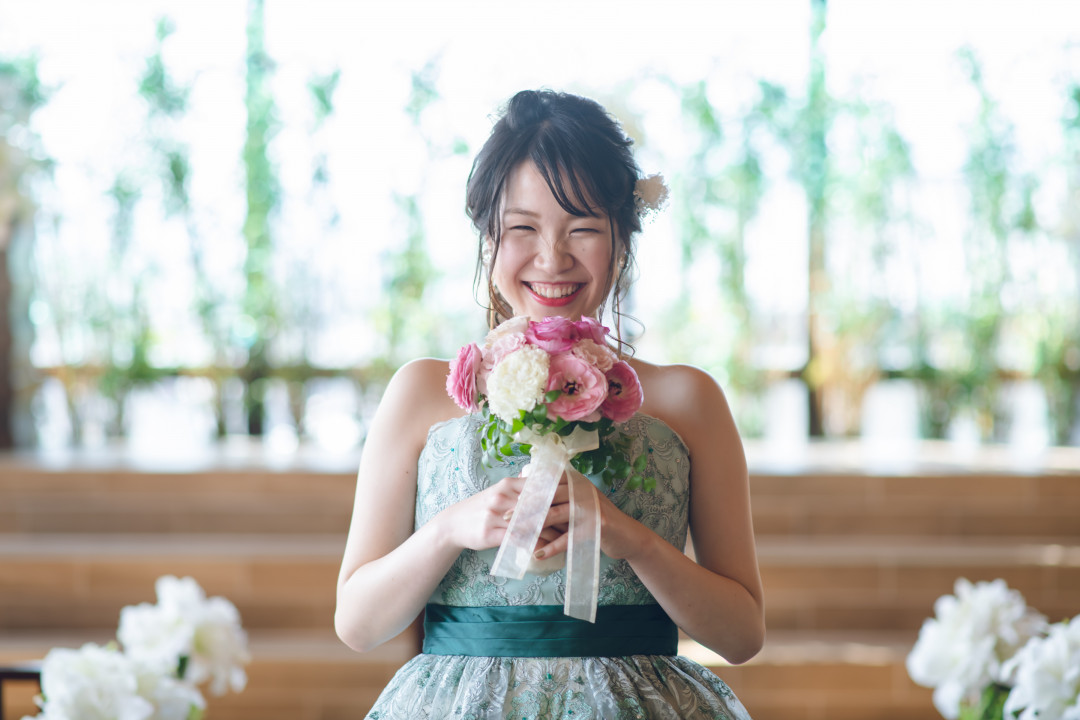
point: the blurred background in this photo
(236, 218)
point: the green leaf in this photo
(649, 484)
(634, 482)
(552, 395)
(181, 666)
(640, 462)
(525, 448)
(517, 426)
(506, 450)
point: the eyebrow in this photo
(519, 211)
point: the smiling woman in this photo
(553, 197)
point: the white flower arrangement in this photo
(1047, 672)
(169, 649)
(186, 632)
(989, 656)
(650, 194)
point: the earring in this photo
(486, 252)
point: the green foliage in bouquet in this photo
(611, 461)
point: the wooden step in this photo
(288, 581)
(892, 583)
(38, 497)
(312, 676)
(82, 581)
(825, 676)
(960, 504)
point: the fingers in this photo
(554, 547)
(558, 515)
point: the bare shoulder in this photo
(686, 398)
(416, 398)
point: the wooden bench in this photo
(28, 673)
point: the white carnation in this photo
(964, 648)
(517, 383)
(91, 683)
(1047, 675)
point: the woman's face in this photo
(549, 261)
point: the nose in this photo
(554, 257)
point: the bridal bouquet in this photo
(989, 656)
(553, 390)
(169, 649)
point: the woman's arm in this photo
(718, 599)
(388, 572)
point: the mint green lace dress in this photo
(500, 649)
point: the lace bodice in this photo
(450, 470)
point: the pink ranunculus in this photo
(624, 393)
(589, 328)
(583, 388)
(552, 334)
(461, 381)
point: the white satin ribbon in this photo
(583, 551)
(550, 458)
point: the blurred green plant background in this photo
(278, 222)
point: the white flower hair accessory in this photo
(650, 194)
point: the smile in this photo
(554, 294)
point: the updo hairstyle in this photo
(585, 158)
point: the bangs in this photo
(569, 176)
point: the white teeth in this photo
(553, 292)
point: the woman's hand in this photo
(480, 521)
(621, 536)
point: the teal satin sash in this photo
(544, 631)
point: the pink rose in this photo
(461, 381)
(514, 326)
(624, 394)
(502, 347)
(589, 328)
(553, 334)
(601, 356)
(583, 388)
